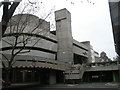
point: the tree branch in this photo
(7, 42)
(5, 58)
(13, 8)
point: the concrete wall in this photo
(81, 44)
(38, 41)
(45, 42)
(102, 68)
(64, 36)
(45, 48)
(28, 21)
(35, 53)
(87, 43)
(80, 49)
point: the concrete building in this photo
(95, 56)
(55, 58)
(61, 47)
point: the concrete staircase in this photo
(82, 69)
(75, 72)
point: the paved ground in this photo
(85, 85)
(82, 86)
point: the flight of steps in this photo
(75, 72)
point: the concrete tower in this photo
(64, 36)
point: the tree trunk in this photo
(7, 14)
(7, 79)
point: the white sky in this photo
(89, 22)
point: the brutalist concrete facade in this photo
(61, 47)
(52, 51)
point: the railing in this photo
(29, 62)
(98, 64)
(102, 66)
(75, 72)
(41, 64)
(82, 69)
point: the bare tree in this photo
(21, 31)
(82, 1)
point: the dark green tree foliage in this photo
(104, 57)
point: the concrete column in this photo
(40, 77)
(64, 36)
(52, 77)
(119, 71)
(23, 76)
(14, 76)
(33, 75)
(114, 79)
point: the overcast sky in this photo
(90, 21)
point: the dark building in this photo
(115, 19)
